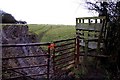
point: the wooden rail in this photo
(91, 33)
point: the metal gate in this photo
(60, 58)
(63, 54)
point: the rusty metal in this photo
(16, 76)
(6, 58)
(27, 76)
(52, 50)
(16, 57)
(24, 44)
(48, 64)
(53, 59)
(66, 50)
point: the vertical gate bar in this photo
(53, 57)
(75, 52)
(48, 64)
(78, 51)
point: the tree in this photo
(112, 41)
(7, 18)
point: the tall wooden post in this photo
(77, 52)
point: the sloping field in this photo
(50, 33)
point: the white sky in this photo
(45, 11)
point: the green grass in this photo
(50, 33)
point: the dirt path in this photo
(40, 35)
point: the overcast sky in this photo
(46, 11)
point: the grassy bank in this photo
(49, 33)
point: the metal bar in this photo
(64, 53)
(48, 64)
(24, 44)
(24, 76)
(18, 73)
(4, 58)
(53, 58)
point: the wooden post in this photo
(86, 52)
(79, 20)
(83, 20)
(78, 52)
(89, 21)
(84, 66)
(95, 20)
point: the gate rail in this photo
(67, 51)
(62, 47)
(16, 68)
(63, 56)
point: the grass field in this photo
(50, 33)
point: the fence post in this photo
(86, 52)
(53, 56)
(78, 52)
